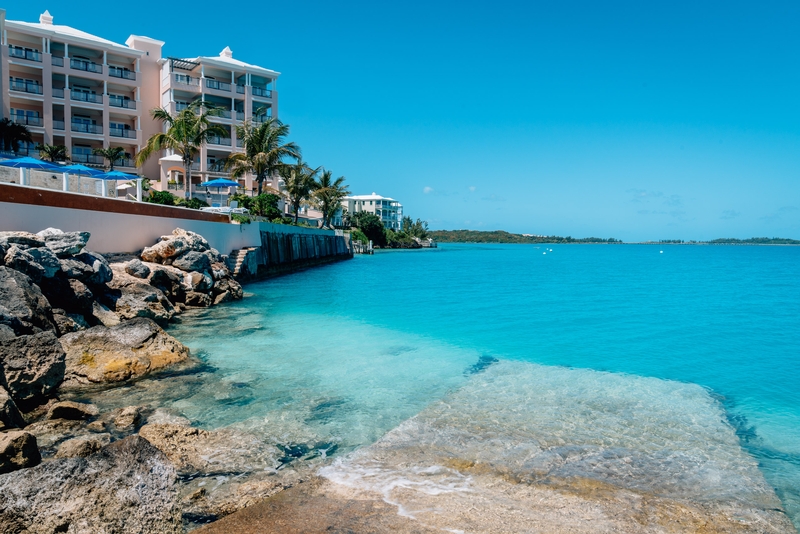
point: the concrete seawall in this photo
(256, 250)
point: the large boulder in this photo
(201, 282)
(129, 486)
(83, 446)
(23, 307)
(10, 417)
(192, 261)
(66, 244)
(45, 258)
(17, 450)
(172, 246)
(171, 281)
(131, 297)
(31, 367)
(198, 300)
(88, 267)
(19, 259)
(137, 269)
(69, 294)
(74, 411)
(23, 239)
(128, 350)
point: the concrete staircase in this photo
(237, 258)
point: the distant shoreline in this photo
(503, 237)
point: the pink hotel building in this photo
(84, 92)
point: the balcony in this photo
(21, 53)
(216, 140)
(86, 128)
(219, 86)
(125, 162)
(187, 80)
(57, 61)
(195, 166)
(28, 120)
(224, 113)
(122, 132)
(59, 125)
(117, 72)
(258, 91)
(240, 115)
(120, 102)
(58, 92)
(26, 87)
(88, 66)
(89, 159)
(86, 97)
(240, 89)
(239, 143)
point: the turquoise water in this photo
(345, 353)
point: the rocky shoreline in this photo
(72, 323)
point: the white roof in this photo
(173, 157)
(46, 26)
(225, 60)
(373, 196)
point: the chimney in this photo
(226, 53)
(46, 18)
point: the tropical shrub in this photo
(372, 227)
(192, 203)
(164, 198)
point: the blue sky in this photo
(640, 120)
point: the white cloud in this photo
(427, 190)
(472, 188)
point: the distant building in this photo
(388, 209)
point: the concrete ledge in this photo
(58, 199)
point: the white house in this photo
(388, 209)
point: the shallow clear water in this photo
(347, 352)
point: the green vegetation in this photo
(328, 195)
(263, 205)
(300, 182)
(12, 134)
(112, 154)
(418, 228)
(372, 227)
(755, 241)
(185, 134)
(165, 198)
(358, 235)
(53, 153)
(192, 203)
(241, 219)
(500, 236)
(264, 150)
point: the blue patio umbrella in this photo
(79, 169)
(220, 182)
(29, 163)
(116, 175)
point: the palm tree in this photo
(186, 132)
(329, 195)
(264, 150)
(300, 183)
(12, 134)
(53, 153)
(112, 154)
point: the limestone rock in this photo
(196, 299)
(128, 350)
(137, 268)
(171, 281)
(103, 315)
(201, 282)
(127, 417)
(172, 246)
(10, 417)
(128, 486)
(83, 446)
(222, 298)
(192, 261)
(24, 239)
(219, 271)
(49, 232)
(23, 307)
(50, 432)
(66, 244)
(18, 450)
(20, 260)
(73, 296)
(101, 271)
(31, 367)
(71, 410)
(131, 297)
(46, 259)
